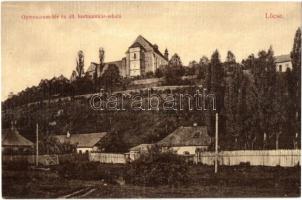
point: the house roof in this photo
(187, 136)
(282, 58)
(82, 140)
(140, 41)
(136, 44)
(93, 65)
(141, 147)
(11, 137)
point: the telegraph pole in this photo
(37, 144)
(216, 143)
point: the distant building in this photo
(283, 62)
(141, 57)
(186, 140)
(15, 143)
(84, 142)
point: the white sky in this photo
(37, 49)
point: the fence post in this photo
(216, 144)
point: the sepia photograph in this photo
(158, 99)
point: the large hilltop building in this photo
(141, 57)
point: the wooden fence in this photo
(284, 158)
(31, 159)
(108, 158)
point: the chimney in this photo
(68, 134)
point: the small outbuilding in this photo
(15, 143)
(187, 140)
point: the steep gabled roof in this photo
(12, 138)
(140, 41)
(82, 140)
(187, 136)
(282, 58)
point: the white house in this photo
(283, 62)
(84, 142)
(186, 140)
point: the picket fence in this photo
(284, 158)
(107, 158)
(45, 160)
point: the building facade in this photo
(283, 62)
(141, 57)
(187, 140)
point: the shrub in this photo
(15, 165)
(156, 168)
(90, 171)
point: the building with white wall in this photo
(283, 62)
(84, 142)
(141, 57)
(187, 140)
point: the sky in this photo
(36, 49)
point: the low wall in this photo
(284, 158)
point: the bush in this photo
(91, 171)
(155, 168)
(15, 165)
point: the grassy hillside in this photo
(134, 127)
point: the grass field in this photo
(243, 181)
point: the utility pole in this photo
(37, 144)
(216, 143)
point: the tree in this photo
(234, 108)
(111, 77)
(80, 64)
(260, 100)
(214, 83)
(175, 61)
(174, 71)
(216, 80)
(230, 63)
(114, 143)
(99, 68)
(296, 95)
(230, 57)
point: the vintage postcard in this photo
(151, 99)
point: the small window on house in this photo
(86, 151)
(280, 68)
(80, 151)
(186, 153)
(134, 55)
